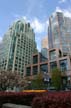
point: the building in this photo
(34, 68)
(44, 42)
(58, 54)
(45, 66)
(59, 32)
(17, 47)
(44, 47)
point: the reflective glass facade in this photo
(28, 71)
(35, 59)
(52, 55)
(53, 65)
(64, 65)
(59, 32)
(44, 52)
(35, 70)
(42, 58)
(44, 68)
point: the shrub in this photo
(53, 100)
(22, 98)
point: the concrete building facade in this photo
(54, 60)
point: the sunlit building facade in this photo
(44, 46)
(17, 47)
(44, 42)
(59, 32)
(45, 66)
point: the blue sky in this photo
(35, 11)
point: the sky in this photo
(37, 12)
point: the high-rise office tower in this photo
(44, 46)
(17, 47)
(44, 42)
(59, 32)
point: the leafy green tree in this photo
(56, 78)
(37, 82)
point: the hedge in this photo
(22, 98)
(53, 100)
(38, 100)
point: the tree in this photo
(37, 82)
(56, 78)
(9, 79)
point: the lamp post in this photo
(29, 84)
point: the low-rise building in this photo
(45, 65)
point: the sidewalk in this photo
(9, 105)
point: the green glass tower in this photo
(17, 47)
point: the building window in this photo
(35, 70)
(63, 65)
(53, 65)
(42, 58)
(44, 68)
(15, 68)
(28, 71)
(52, 55)
(35, 59)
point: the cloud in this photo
(58, 9)
(66, 12)
(0, 39)
(47, 22)
(62, 1)
(38, 26)
(31, 5)
(15, 15)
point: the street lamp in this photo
(29, 84)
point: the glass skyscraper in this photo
(17, 47)
(59, 32)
